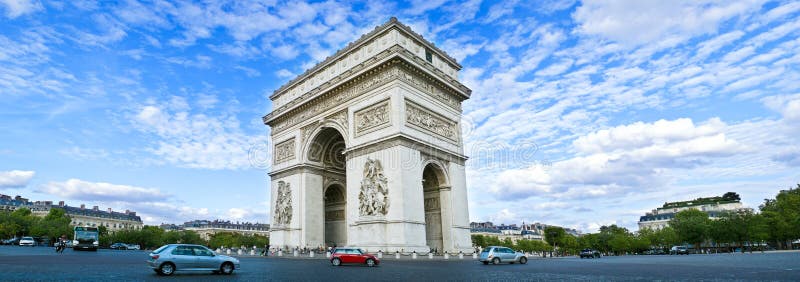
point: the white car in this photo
(27, 241)
(134, 247)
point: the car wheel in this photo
(370, 262)
(523, 260)
(485, 262)
(226, 268)
(336, 262)
(495, 261)
(166, 268)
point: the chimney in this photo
(127, 211)
(96, 208)
(109, 210)
(60, 203)
(83, 206)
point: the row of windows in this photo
(115, 225)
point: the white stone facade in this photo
(369, 144)
(660, 217)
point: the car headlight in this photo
(95, 243)
(74, 242)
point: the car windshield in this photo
(85, 235)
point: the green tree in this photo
(731, 196)
(569, 244)
(782, 215)
(53, 225)
(589, 241)
(478, 240)
(553, 235)
(692, 226)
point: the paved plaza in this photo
(41, 264)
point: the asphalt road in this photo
(43, 264)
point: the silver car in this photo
(184, 257)
(497, 254)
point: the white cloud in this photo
(421, 6)
(16, 8)
(284, 73)
(637, 22)
(100, 191)
(196, 140)
(15, 178)
(285, 52)
(625, 157)
(786, 105)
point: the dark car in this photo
(589, 253)
(353, 256)
(12, 241)
(119, 246)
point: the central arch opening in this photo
(327, 151)
(432, 180)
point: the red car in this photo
(352, 255)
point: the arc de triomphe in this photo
(368, 150)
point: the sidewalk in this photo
(390, 257)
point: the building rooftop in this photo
(18, 201)
(225, 224)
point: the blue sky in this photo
(583, 113)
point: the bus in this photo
(86, 238)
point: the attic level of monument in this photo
(365, 39)
(396, 67)
(364, 52)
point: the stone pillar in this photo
(313, 216)
(446, 208)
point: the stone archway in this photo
(325, 152)
(395, 100)
(433, 179)
(335, 224)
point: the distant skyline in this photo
(583, 113)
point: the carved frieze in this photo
(420, 117)
(340, 95)
(283, 205)
(284, 151)
(374, 196)
(306, 132)
(340, 117)
(372, 118)
(417, 81)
